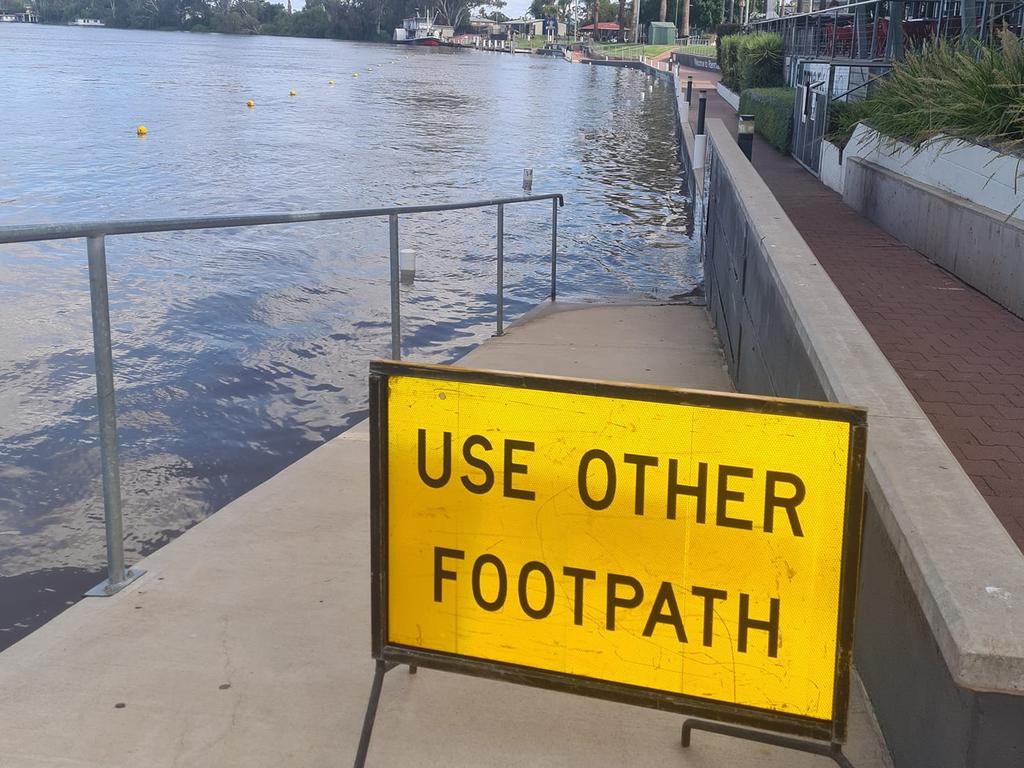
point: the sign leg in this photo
(371, 713)
(833, 750)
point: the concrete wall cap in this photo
(966, 571)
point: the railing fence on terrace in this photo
(885, 29)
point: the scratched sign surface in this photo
(680, 543)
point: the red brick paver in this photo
(960, 353)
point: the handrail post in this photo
(396, 318)
(117, 575)
(501, 270)
(554, 246)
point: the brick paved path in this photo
(960, 353)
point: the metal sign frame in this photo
(833, 730)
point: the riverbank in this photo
(236, 352)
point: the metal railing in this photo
(95, 234)
(884, 29)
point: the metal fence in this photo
(95, 234)
(885, 29)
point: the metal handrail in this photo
(38, 232)
(96, 232)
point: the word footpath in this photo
(686, 550)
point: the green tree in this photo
(705, 15)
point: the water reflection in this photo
(238, 351)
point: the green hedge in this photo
(751, 61)
(772, 109)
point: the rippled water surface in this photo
(238, 351)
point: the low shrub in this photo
(772, 109)
(760, 59)
(728, 61)
(751, 61)
(842, 119)
(722, 31)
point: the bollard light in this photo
(745, 135)
(702, 108)
(527, 180)
(407, 265)
(689, 88)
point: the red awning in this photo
(608, 26)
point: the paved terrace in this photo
(959, 353)
(247, 642)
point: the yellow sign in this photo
(691, 544)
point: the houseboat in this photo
(421, 30)
(28, 16)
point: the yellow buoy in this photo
(291, 93)
(330, 82)
(141, 130)
(250, 103)
(355, 74)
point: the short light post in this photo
(700, 140)
(745, 135)
(689, 89)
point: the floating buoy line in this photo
(141, 130)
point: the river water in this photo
(236, 352)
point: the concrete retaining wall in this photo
(731, 97)
(976, 243)
(967, 171)
(940, 623)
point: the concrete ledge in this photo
(968, 171)
(979, 245)
(731, 98)
(787, 330)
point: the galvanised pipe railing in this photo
(95, 234)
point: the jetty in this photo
(247, 641)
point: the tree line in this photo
(347, 19)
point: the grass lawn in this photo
(698, 50)
(629, 50)
(537, 41)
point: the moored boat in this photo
(421, 30)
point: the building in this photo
(533, 27)
(606, 30)
(484, 27)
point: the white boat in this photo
(15, 17)
(421, 30)
(86, 23)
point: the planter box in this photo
(733, 99)
(975, 173)
(830, 167)
(955, 204)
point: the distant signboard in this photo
(550, 26)
(689, 551)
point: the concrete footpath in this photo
(960, 353)
(247, 642)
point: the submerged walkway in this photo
(959, 352)
(247, 643)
